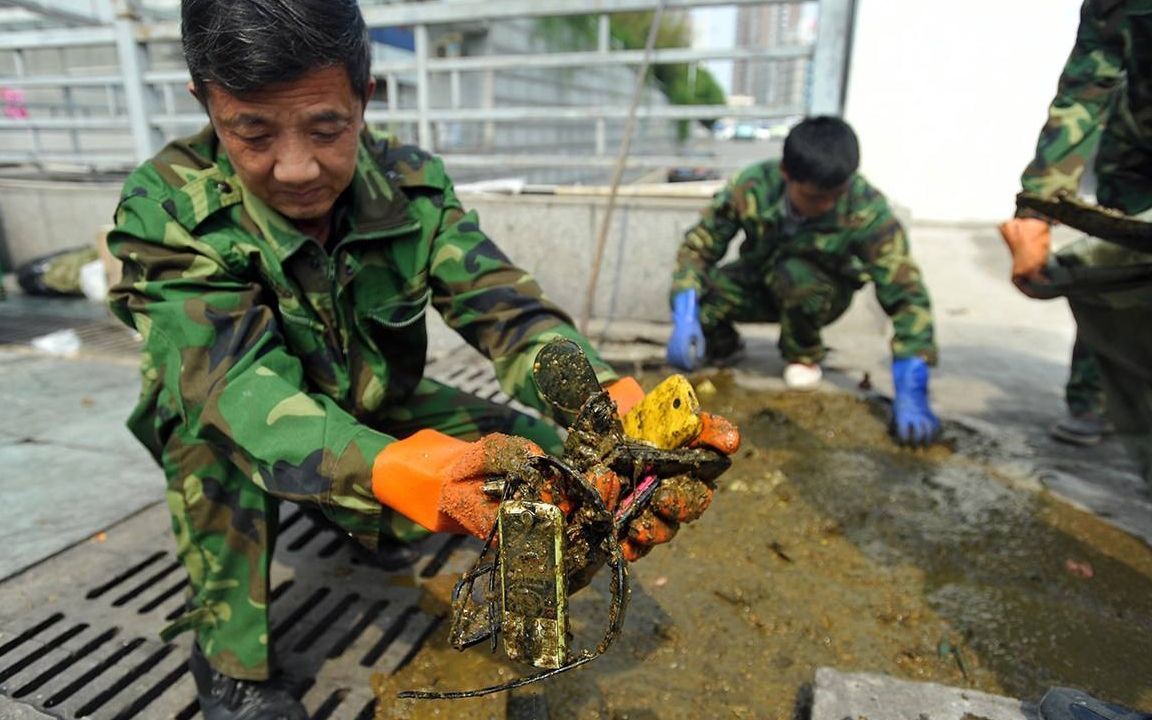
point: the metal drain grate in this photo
(96, 338)
(78, 631)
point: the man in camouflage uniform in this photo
(1086, 95)
(815, 231)
(1104, 99)
(279, 265)
(1103, 103)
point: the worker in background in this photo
(1104, 97)
(1086, 96)
(814, 232)
(279, 265)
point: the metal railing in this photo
(145, 103)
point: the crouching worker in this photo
(814, 232)
(279, 265)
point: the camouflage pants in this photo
(795, 293)
(225, 525)
(1119, 339)
(1084, 391)
(1124, 181)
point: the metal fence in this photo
(105, 89)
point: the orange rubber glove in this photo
(626, 393)
(437, 481)
(1029, 240)
(683, 498)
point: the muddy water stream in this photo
(828, 545)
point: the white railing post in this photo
(423, 125)
(603, 44)
(829, 69)
(146, 139)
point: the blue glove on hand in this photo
(686, 346)
(913, 422)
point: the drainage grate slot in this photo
(420, 636)
(386, 639)
(189, 711)
(117, 687)
(325, 623)
(305, 537)
(279, 590)
(82, 681)
(287, 523)
(90, 647)
(440, 559)
(30, 633)
(42, 651)
(358, 629)
(98, 591)
(145, 584)
(330, 704)
(154, 692)
(159, 599)
(301, 689)
(334, 545)
(301, 611)
(368, 712)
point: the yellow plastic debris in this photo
(668, 417)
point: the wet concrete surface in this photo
(1001, 561)
(828, 545)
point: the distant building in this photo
(777, 83)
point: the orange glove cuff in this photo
(408, 476)
(626, 393)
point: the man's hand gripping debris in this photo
(622, 486)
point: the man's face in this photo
(811, 200)
(294, 145)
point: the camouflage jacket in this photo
(1104, 95)
(261, 342)
(859, 241)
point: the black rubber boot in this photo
(723, 345)
(225, 698)
(1069, 704)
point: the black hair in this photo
(821, 150)
(247, 45)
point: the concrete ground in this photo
(71, 469)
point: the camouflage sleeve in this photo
(706, 242)
(884, 250)
(1076, 115)
(214, 368)
(498, 308)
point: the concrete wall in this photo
(948, 98)
(553, 237)
(39, 217)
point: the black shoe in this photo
(225, 698)
(1086, 428)
(723, 346)
(1069, 704)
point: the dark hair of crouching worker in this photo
(822, 151)
(247, 46)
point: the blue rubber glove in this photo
(913, 422)
(686, 346)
